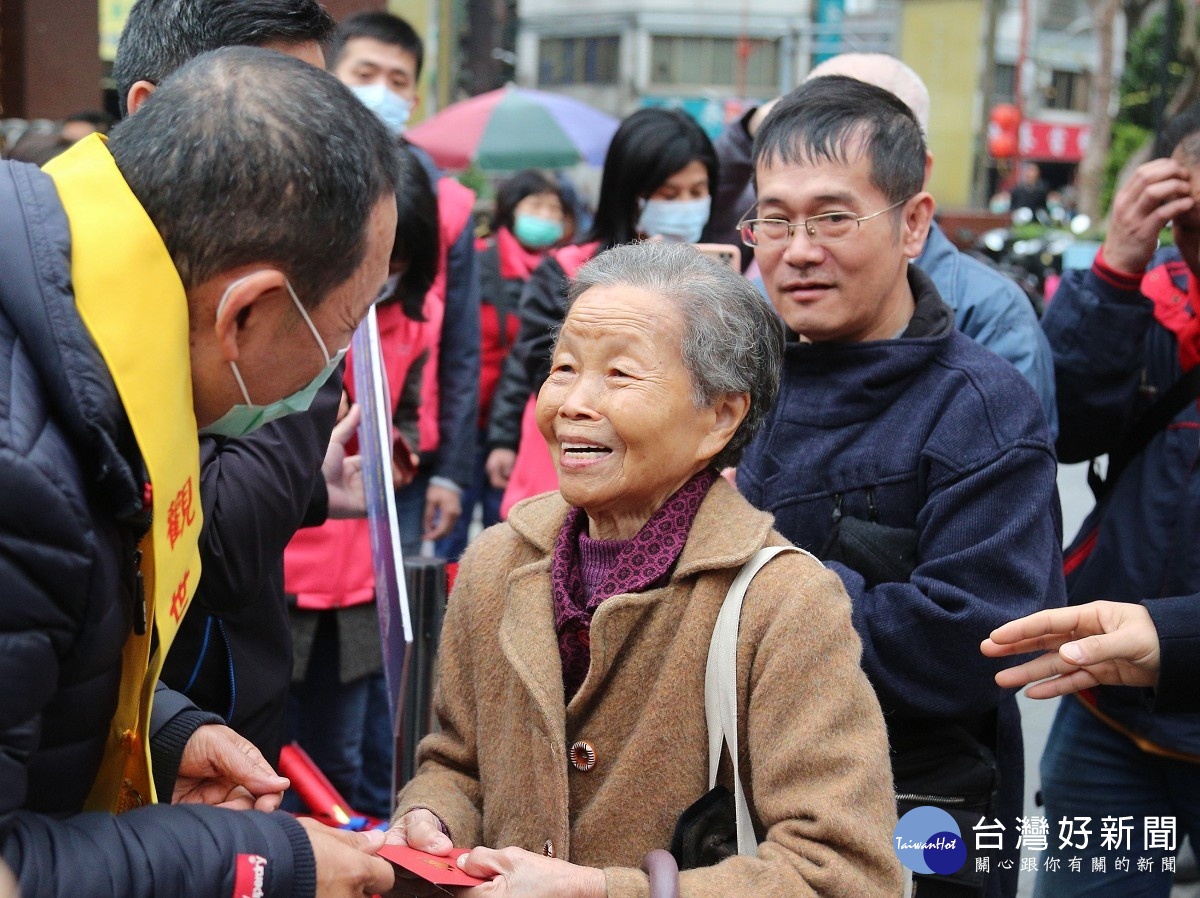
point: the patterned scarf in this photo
(643, 562)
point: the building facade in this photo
(707, 56)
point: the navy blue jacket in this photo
(1177, 621)
(71, 487)
(988, 306)
(936, 434)
(232, 654)
(1112, 358)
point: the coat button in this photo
(548, 848)
(583, 756)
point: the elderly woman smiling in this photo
(571, 695)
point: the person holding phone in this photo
(657, 181)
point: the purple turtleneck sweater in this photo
(585, 571)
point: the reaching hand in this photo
(1109, 643)
(443, 507)
(517, 873)
(499, 467)
(346, 863)
(343, 475)
(221, 768)
(418, 829)
(1157, 192)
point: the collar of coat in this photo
(711, 544)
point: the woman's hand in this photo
(421, 830)
(517, 873)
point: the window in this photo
(1058, 14)
(579, 60)
(1068, 90)
(714, 61)
(1003, 88)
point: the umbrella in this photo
(514, 128)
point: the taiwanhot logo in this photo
(928, 840)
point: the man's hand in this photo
(1109, 643)
(221, 768)
(443, 507)
(499, 467)
(343, 475)
(347, 865)
(1157, 192)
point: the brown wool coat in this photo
(812, 741)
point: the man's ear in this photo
(242, 306)
(139, 93)
(918, 215)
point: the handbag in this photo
(718, 824)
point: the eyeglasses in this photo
(829, 227)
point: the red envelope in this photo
(441, 871)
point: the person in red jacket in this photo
(531, 217)
(328, 574)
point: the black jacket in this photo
(71, 488)
(233, 652)
(542, 308)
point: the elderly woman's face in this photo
(617, 409)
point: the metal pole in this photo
(426, 579)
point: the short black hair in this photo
(381, 26)
(649, 146)
(247, 155)
(162, 35)
(509, 194)
(1183, 130)
(829, 118)
(417, 243)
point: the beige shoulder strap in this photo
(720, 690)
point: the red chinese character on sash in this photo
(179, 598)
(180, 514)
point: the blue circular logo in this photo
(927, 840)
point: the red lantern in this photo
(1002, 144)
(1005, 116)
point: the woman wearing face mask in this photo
(656, 184)
(530, 218)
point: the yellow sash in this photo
(132, 301)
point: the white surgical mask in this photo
(676, 221)
(391, 108)
(244, 419)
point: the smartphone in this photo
(402, 455)
(725, 253)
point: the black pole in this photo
(426, 580)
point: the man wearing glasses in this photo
(915, 462)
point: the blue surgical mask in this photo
(244, 419)
(392, 109)
(676, 221)
(537, 233)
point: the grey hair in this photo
(732, 337)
